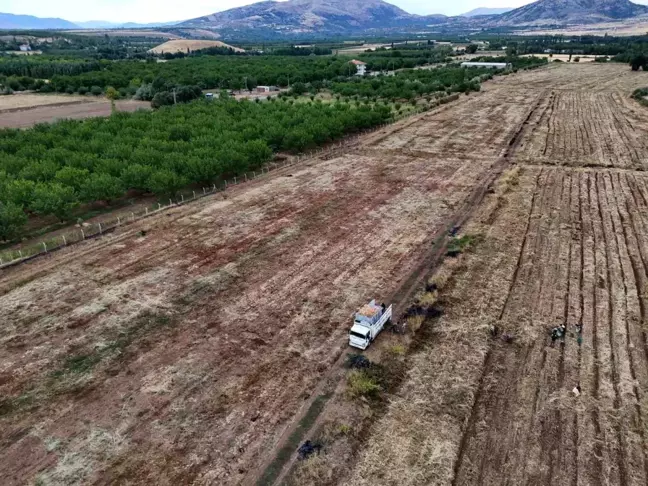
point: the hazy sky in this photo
(170, 10)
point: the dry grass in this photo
(417, 440)
(414, 323)
(183, 45)
(314, 470)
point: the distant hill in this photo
(185, 45)
(486, 11)
(103, 24)
(571, 11)
(11, 21)
(320, 16)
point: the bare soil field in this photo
(179, 350)
(489, 398)
(24, 118)
(606, 129)
(22, 101)
(182, 45)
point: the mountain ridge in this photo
(486, 11)
(310, 15)
(571, 11)
(13, 21)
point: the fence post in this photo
(45, 246)
(118, 221)
(246, 177)
(254, 174)
(235, 180)
(64, 241)
(146, 209)
(214, 187)
(100, 230)
(82, 235)
(194, 193)
(226, 184)
(20, 253)
(159, 206)
(204, 191)
(182, 197)
(170, 202)
(132, 216)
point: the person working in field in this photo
(558, 333)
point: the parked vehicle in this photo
(367, 324)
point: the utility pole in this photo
(175, 102)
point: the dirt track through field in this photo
(567, 245)
(181, 354)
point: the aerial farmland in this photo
(185, 348)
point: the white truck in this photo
(367, 324)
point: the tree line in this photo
(52, 169)
(208, 72)
(410, 84)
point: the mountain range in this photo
(295, 16)
(344, 16)
(11, 21)
(572, 12)
(485, 11)
(338, 17)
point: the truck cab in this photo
(367, 324)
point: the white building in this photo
(490, 65)
(266, 89)
(361, 67)
(25, 47)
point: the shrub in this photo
(96, 90)
(361, 384)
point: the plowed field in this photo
(181, 348)
(561, 246)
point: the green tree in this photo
(166, 182)
(112, 94)
(53, 198)
(20, 192)
(72, 177)
(471, 48)
(101, 187)
(12, 219)
(136, 177)
(639, 61)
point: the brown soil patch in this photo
(74, 110)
